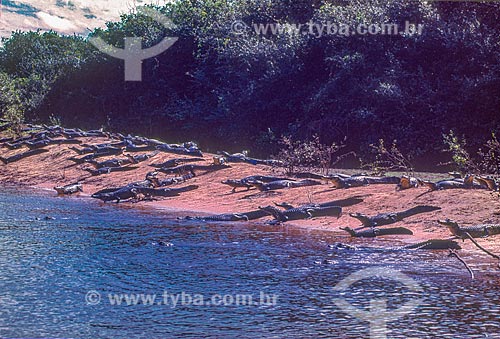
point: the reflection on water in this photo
(48, 266)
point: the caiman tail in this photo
(344, 202)
(418, 210)
(375, 232)
(187, 188)
(433, 244)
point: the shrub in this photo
(490, 156)
(461, 158)
(306, 155)
(389, 159)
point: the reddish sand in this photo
(468, 207)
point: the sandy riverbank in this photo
(468, 207)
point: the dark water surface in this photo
(48, 267)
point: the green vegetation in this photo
(298, 155)
(389, 159)
(485, 161)
(236, 92)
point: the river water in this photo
(64, 278)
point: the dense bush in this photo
(244, 91)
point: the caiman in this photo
(110, 163)
(477, 231)
(24, 155)
(376, 232)
(408, 182)
(175, 162)
(69, 189)
(192, 169)
(391, 218)
(341, 203)
(281, 184)
(490, 183)
(466, 183)
(244, 216)
(165, 192)
(141, 158)
(305, 212)
(362, 180)
(432, 244)
(108, 170)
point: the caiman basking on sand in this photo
(130, 147)
(281, 184)
(477, 231)
(118, 195)
(247, 181)
(341, 203)
(141, 158)
(176, 149)
(48, 141)
(432, 244)
(176, 162)
(391, 218)
(165, 192)
(175, 180)
(243, 158)
(487, 182)
(466, 183)
(309, 175)
(110, 163)
(108, 170)
(362, 180)
(69, 189)
(192, 169)
(376, 232)
(408, 182)
(236, 184)
(132, 191)
(102, 152)
(306, 212)
(21, 156)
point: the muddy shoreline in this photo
(468, 207)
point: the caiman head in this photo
(407, 182)
(276, 213)
(231, 182)
(365, 220)
(452, 226)
(349, 230)
(404, 183)
(488, 182)
(432, 186)
(469, 180)
(337, 182)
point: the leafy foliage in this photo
(389, 159)
(489, 156)
(461, 157)
(305, 155)
(235, 91)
